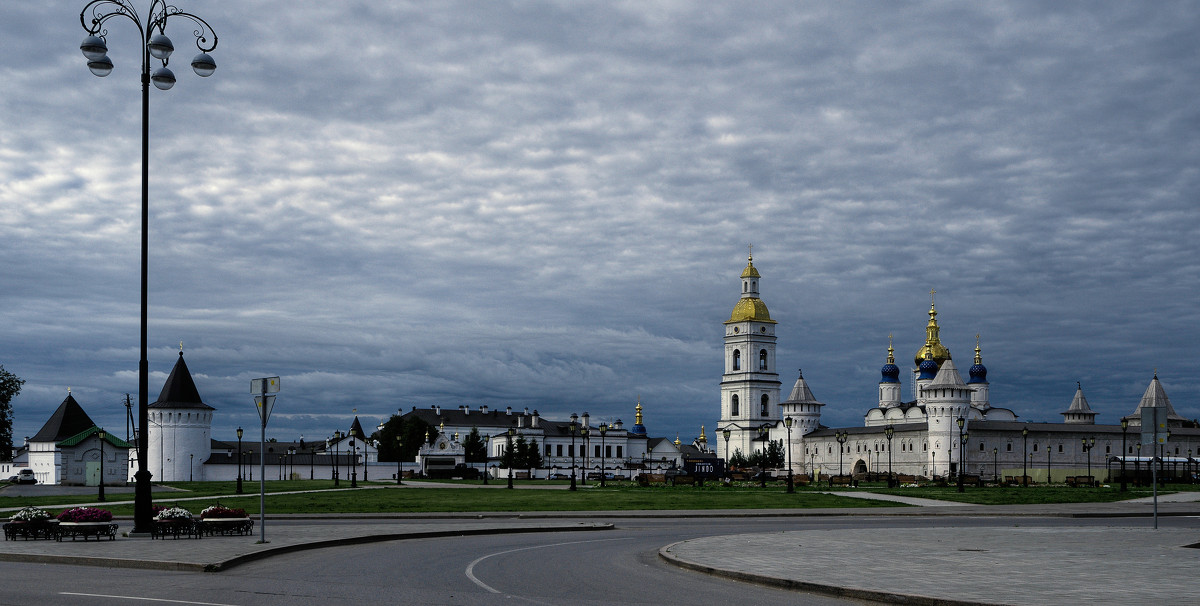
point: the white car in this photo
(25, 476)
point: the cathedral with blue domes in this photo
(946, 425)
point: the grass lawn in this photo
(1017, 495)
(459, 499)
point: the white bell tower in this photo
(750, 384)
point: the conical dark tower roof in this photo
(67, 421)
(356, 426)
(180, 390)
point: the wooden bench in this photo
(681, 481)
(1076, 481)
(842, 481)
(906, 479)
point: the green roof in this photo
(89, 432)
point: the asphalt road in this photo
(611, 567)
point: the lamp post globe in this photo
(154, 44)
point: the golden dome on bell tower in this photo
(750, 308)
(933, 343)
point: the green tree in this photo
(411, 432)
(476, 450)
(738, 459)
(533, 456)
(10, 386)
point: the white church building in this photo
(921, 436)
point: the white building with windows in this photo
(921, 436)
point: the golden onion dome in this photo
(750, 271)
(750, 309)
(933, 342)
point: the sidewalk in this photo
(218, 553)
(1014, 564)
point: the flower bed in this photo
(173, 513)
(31, 523)
(219, 512)
(85, 514)
(217, 519)
(31, 514)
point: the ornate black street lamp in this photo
(239, 476)
(574, 426)
(1048, 451)
(996, 465)
(94, 18)
(962, 458)
(1124, 454)
(487, 442)
(961, 441)
(841, 438)
(764, 436)
(1024, 455)
(509, 455)
(787, 422)
(400, 459)
(584, 431)
(1137, 465)
(353, 459)
(888, 432)
(337, 472)
(725, 433)
(603, 430)
(1088, 445)
(102, 435)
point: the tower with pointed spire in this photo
(180, 430)
(750, 384)
(889, 381)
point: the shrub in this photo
(218, 511)
(31, 514)
(174, 513)
(85, 514)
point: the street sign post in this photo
(263, 403)
(1154, 431)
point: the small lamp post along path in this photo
(400, 459)
(962, 458)
(996, 465)
(584, 430)
(337, 441)
(888, 432)
(1137, 464)
(765, 436)
(574, 426)
(1124, 453)
(725, 433)
(1024, 454)
(788, 423)
(94, 18)
(961, 441)
(353, 459)
(841, 438)
(239, 474)
(508, 455)
(1088, 445)
(603, 430)
(102, 435)
(487, 444)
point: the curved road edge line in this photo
(889, 597)
(431, 534)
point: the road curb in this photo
(223, 565)
(888, 597)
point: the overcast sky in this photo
(548, 204)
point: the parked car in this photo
(25, 476)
